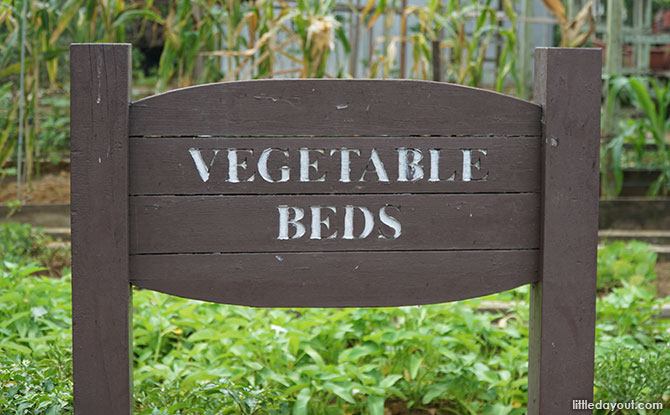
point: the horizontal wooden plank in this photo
(340, 165)
(332, 107)
(360, 279)
(205, 224)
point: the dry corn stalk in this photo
(572, 33)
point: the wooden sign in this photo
(334, 193)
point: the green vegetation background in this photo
(199, 358)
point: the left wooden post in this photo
(100, 76)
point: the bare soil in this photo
(52, 187)
(663, 282)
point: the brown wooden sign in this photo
(334, 193)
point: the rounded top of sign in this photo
(334, 107)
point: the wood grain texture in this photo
(362, 279)
(165, 166)
(562, 326)
(203, 224)
(101, 301)
(332, 107)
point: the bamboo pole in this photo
(22, 102)
(571, 9)
(525, 46)
(355, 39)
(638, 23)
(613, 64)
(403, 45)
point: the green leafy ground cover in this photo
(199, 358)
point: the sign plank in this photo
(166, 224)
(331, 107)
(334, 165)
(361, 279)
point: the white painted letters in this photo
(391, 222)
(468, 164)
(285, 221)
(317, 222)
(345, 163)
(410, 163)
(305, 165)
(336, 218)
(200, 165)
(349, 222)
(378, 167)
(263, 166)
(411, 168)
(233, 165)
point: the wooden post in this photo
(642, 25)
(562, 321)
(403, 44)
(613, 66)
(648, 22)
(100, 77)
(613, 37)
(436, 61)
(355, 38)
(571, 9)
(638, 22)
(525, 47)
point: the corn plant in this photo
(8, 113)
(190, 28)
(445, 22)
(316, 27)
(466, 62)
(574, 32)
(652, 98)
(213, 40)
(50, 26)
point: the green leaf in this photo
(204, 334)
(433, 392)
(645, 102)
(414, 365)
(301, 402)
(389, 381)
(376, 405)
(15, 347)
(314, 355)
(340, 391)
(128, 15)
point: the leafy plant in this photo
(19, 242)
(54, 137)
(626, 374)
(201, 358)
(632, 262)
(38, 388)
(35, 353)
(652, 99)
(8, 113)
(51, 25)
(22, 244)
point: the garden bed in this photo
(53, 187)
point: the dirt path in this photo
(50, 188)
(663, 282)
